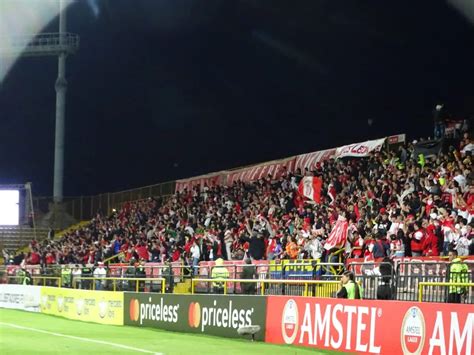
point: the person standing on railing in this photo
(219, 271)
(76, 274)
(167, 274)
(349, 288)
(458, 273)
(86, 272)
(141, 273)
(130, 273)
(66, 276)
(100, 273)
(196, 255)
(248, 273)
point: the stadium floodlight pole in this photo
(61, 88)
(59, 44)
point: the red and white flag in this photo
(338, 236)
(310, 187)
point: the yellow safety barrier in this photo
(330, 286)
(43, 278)
(105, 307)
(116, 256)
(137, 280)
(442, 284)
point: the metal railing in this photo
(467, 296)
(100, 283)
(410, 274)
(41, 44)
(86, 207)
(316, 288)
(44, 280)
(378, 280)
(314, 270)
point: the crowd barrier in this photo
(26, 298)
(314, 288)
(103, 307)
(401, 282)
(356, 326)
(152, 284)
(401, 279)
(202, 314)
(375, 327)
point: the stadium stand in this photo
(394, 202)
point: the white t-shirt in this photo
(195, 252)
(100, 272)
(468, 147)
(461, 180)
(462, 246)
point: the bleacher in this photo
(13, 238)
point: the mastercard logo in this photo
(134, 309)
(194, 315)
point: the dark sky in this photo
(169, 89)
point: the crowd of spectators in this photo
(396, 204)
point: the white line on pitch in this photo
(81, 339)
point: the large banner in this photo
(209, 180)
(311, 160)
(274, 169)
(360, 149)
(26, 298)
(203, 314)
(91, 306)
(374, 327)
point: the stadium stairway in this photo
(18, 239)
(13, 238)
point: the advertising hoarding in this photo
(203, 314)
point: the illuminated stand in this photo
(59, 44)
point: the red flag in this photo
(310, 187)
(338, 236)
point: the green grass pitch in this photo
(33, 333)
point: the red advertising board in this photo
(372, 327)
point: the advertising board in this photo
(91, 306)
(26, 298)
(375, 327)
(203, 314)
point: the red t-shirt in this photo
(417, 241)
(430, 245)
(176, 255)
(50, 259)
(34, 259)
(142, 252)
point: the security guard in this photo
(458, 273)
(27, 278)
(24, 277)
(349, 287)
(219, 272)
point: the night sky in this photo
(169, 89)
